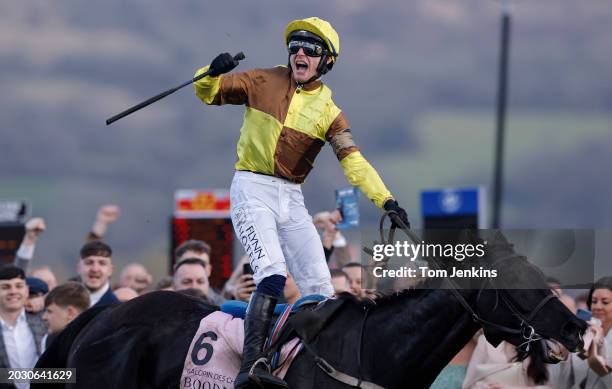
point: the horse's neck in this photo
(419, 334)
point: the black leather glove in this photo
(392, 205)
(222, 64)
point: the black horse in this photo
(395, 341)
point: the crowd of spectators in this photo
(35, 307)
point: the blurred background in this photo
(417, 80)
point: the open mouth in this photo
(555, 352)
(301, 65)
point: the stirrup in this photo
(264, 378)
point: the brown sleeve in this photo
(235, 88)
(340, 138)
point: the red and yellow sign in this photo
(201, 203)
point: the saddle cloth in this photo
(238, 308)
(215, 353)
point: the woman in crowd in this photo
(594, 371)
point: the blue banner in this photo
(449, 202)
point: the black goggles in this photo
(310, 49)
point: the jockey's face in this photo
(95, 271)
(303, 67)
(190, 276)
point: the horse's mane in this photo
(390, 296)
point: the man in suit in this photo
(21, 331)
(95, 269)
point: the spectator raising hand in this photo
(335, 217)
(106, 215)
(333, 241)
(33, 230)
(326, 222)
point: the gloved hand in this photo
(222, 64)
(392, 205)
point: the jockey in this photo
(289, 116)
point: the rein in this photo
(336, 374)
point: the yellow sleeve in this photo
(361, 174)
(207, 88)
(357, 169)
(230, 88)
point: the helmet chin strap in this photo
(311, 79)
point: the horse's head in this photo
(520, 308)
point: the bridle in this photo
(525, 329)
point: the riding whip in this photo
(238, 57)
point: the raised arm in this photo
(219, 88)
(34, 228)
(106, 215)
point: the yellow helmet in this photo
(320, 28)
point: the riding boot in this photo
(254, 370)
